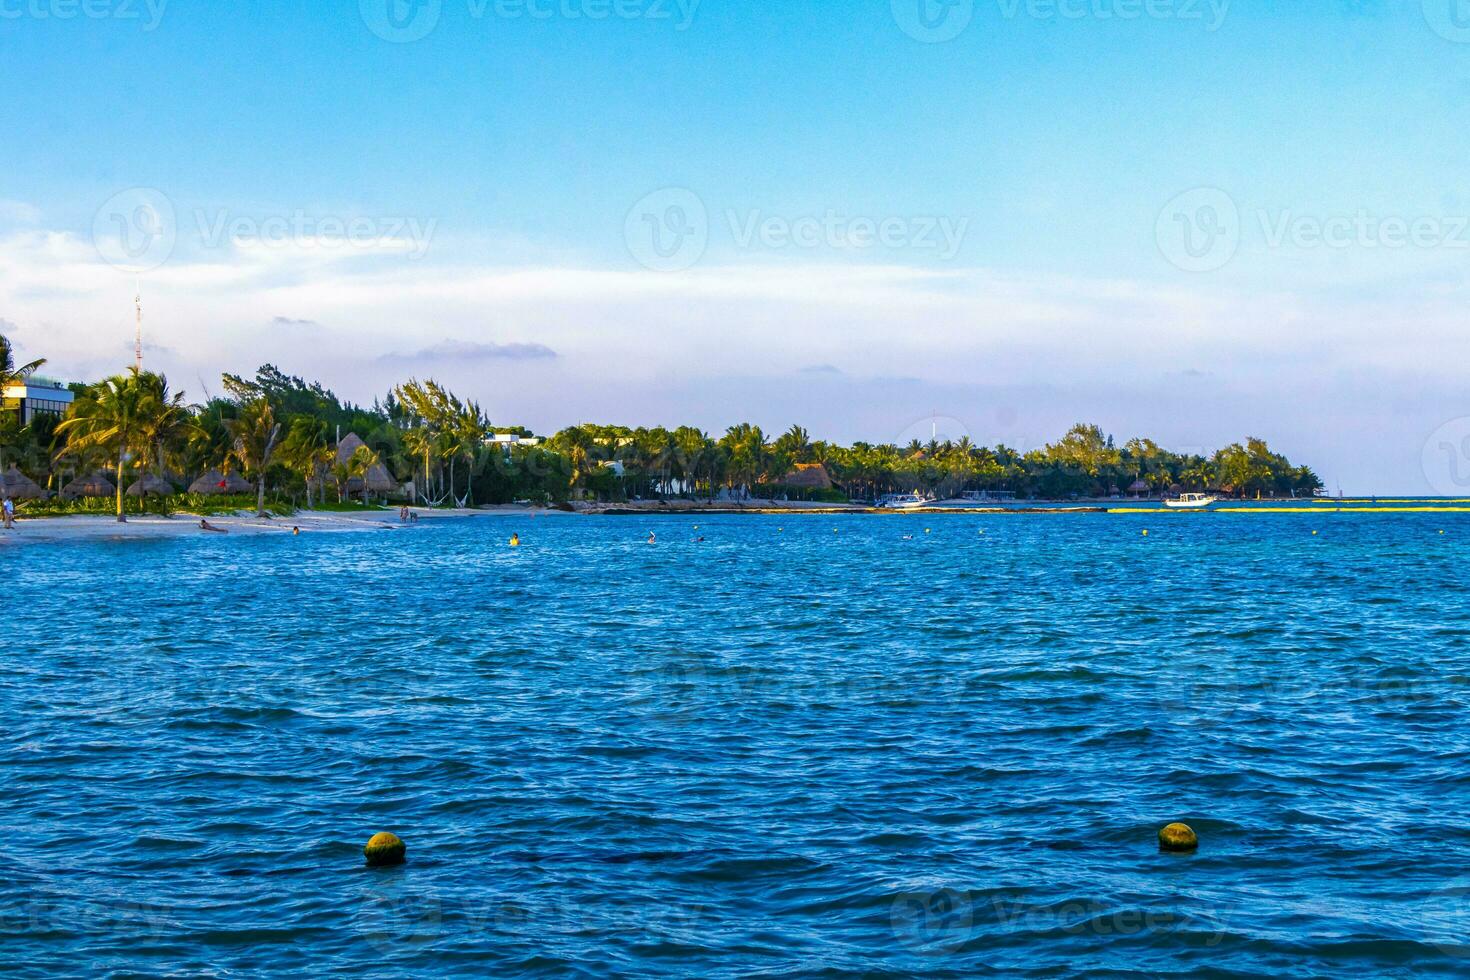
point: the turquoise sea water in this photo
(802, 747)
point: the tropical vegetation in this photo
(289, 440)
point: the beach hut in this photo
(149, 485)
(18, 486)
(808, 476)
(377, 479)
(1138, 487)
(214, 482)
(95, 485)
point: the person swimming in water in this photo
(652, 539)
(515, 540)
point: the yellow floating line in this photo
(1405, 500)
(1300, 510)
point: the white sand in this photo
(89, 527)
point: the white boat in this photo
(902, 501)
(1192, 501)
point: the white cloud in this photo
(649, 347)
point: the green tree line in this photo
(281, 434)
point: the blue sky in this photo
(343, 201)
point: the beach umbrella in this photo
(18, 486)
(95, 485)
(149, 485)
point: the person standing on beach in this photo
(9, 508)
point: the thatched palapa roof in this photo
(215, 482)
(95, 485)
(17, 485)
(377, 479)
(808, 476)
(1138, 486)
(149, 485)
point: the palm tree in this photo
(11, 374)
(354, 467)
(111, 417)
(466, 436)
(420, 441)
(307, 450)
(256, 432)
(166, 421)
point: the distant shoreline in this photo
(99, 527)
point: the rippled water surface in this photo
(802, 747)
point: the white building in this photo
(37, 395)
(509, 440)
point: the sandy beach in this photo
(89, 527)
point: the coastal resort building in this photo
(509, 440)
(1138, 488)
(36, 396)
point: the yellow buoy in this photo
(1178, 837)
(1314, 534)
(1145, 534)
(383, 850)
